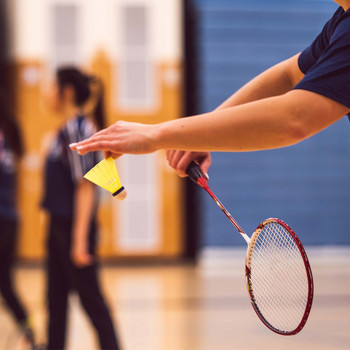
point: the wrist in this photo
(161, 137)
(157, 136)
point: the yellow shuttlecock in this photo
(105, 175)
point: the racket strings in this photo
(278, 278)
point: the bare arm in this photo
(275, 81)
(264, 124)
(83, 206)
(225, 128)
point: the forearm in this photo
(275, 81)
(253, 126)
(83, 206)
(265, 124)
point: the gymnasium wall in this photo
(306, 185)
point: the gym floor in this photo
(203, 307)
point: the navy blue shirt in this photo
(326, 62)
(8, 171)
(65, 168)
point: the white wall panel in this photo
(99, 25)
(99, 30)
(30, 29)
(167, 30)
(138, 224)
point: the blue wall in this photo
(306, 185)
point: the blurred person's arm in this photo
(275, 81)
(83, 207)
(268, 123)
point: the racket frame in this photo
(303, 254)
(197, 176)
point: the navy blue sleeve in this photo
(77, 130)
(311, 54)
(329, 75)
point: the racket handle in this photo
(195, 173)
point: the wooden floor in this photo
(204, 307)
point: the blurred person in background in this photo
(71, 202)
(11, 150)
(282, 106)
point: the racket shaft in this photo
(202, 182)
(196, 175)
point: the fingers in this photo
(183, 163)
(180, 160)
(169, 154)
(174, 158)
(95, 144)
(120, 138)
(80, 146)
(76, 146)
(174, 161)
(83, 146)
(73, 146)
(205, 165)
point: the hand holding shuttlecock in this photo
(105, 175)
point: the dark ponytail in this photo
(88, 92)
(98, 108)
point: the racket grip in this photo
(195, 173)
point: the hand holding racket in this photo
(277, 269)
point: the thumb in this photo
(205, 166)
(112, 154)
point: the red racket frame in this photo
(196, 175)
(308, 273)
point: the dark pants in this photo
(8, 239)
(64, 277)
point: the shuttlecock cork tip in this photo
(120, 194)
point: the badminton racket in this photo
(278, 273)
